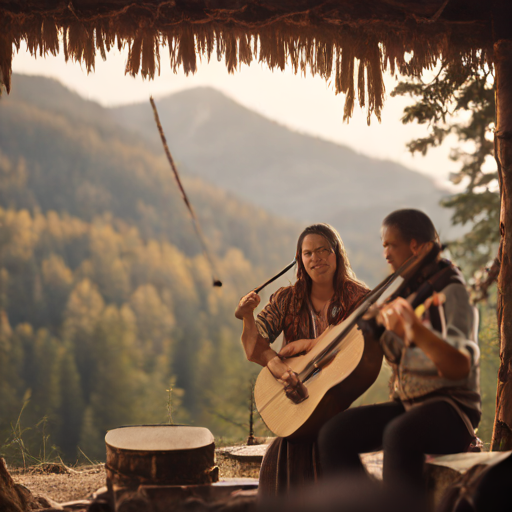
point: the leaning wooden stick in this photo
(195, 221)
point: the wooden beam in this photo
(502, 17)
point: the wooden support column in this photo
(502, 432)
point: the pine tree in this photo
(43, 408)
(115, 393)
(83, 311)
(71, 407)
(11, 383)
(459, 101)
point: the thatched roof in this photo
(350, 42)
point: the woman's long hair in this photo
(343, 277)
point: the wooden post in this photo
(502, 20)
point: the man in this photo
(432, 350)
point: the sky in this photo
(305, 104)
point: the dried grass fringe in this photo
(353, 59)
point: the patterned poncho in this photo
(295, 321)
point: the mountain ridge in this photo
(298, 178)
(238, 149)
(292, 175)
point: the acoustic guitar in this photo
(337, 371)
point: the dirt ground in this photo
(62, 484)
(69, 485)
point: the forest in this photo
(108, 316)
(107, 302)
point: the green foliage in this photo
(459, 103)
(94, 359)
(105, 286)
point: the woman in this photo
(325, 293)
(432, 350)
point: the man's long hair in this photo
(344, 274)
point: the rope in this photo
(195, 221)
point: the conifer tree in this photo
(71, 407)
(459, 101)
(115, 392)
(45, 385)
(84, 309)
(11, 383)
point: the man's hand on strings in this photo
(295, 390)
(399, 317)
(247, 305)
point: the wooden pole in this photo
(502, 21)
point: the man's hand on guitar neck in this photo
(295, 390)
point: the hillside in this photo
(107, 313)
(287, 173)
(64, 153)
(114, 162)
(106, 302)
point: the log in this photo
(236, 495)
(160, 455)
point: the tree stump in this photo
(160, 455)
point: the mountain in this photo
(64, 153)
(287, 173)
(292, 175)
(89, 160)
(108, 316)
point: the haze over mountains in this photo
(287, 173)
(106, 301)
(77, 159)
(102, 280)
(290, 175)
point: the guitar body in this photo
(332, 389)
(349, 365)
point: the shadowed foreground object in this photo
(14, 497)
(347, 495)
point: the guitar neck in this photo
(378, 296)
